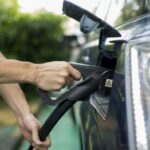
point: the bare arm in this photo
(28, 124)
(47, 76)
(16, 100)
(12, 71)
(14, 96)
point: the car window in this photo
(124, 10)
(102, 8)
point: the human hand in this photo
(29, 127)
(54, 75)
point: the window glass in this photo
(102, 8)
(98, 7)
(124, 10)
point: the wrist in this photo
(30, 75)
(23, 114)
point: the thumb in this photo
(35, 136)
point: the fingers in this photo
(29, 127)
(43, 146)
(35, 147)
(74, 73)
(35, 137)
(54, 75)
(67, 75)
(37, 143)
(38, 148)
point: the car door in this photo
(104, 120)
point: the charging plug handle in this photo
(95, 77)
(78, 92)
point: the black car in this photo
(119, 119)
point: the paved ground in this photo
(8, 137)
(64, 135)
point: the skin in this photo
(28, 124)
(51, 76)
(47, 76)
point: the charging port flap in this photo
(88, 21)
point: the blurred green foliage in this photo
(33, 37)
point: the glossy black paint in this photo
(107, 131)
(104, 120)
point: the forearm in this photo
(47, 76)
(15, 98)
(12, 71)
(12, 93)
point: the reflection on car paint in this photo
(101, 104)
(89, 130)
(103, 122)
(106, 119)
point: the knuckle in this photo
(66, 65)
(38, 144)
(62, 81)
(34, 126)
(48, 141)
(57, 87)
(66, 74)
(48, 144)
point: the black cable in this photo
(53, 119)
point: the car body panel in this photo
(104, 120)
